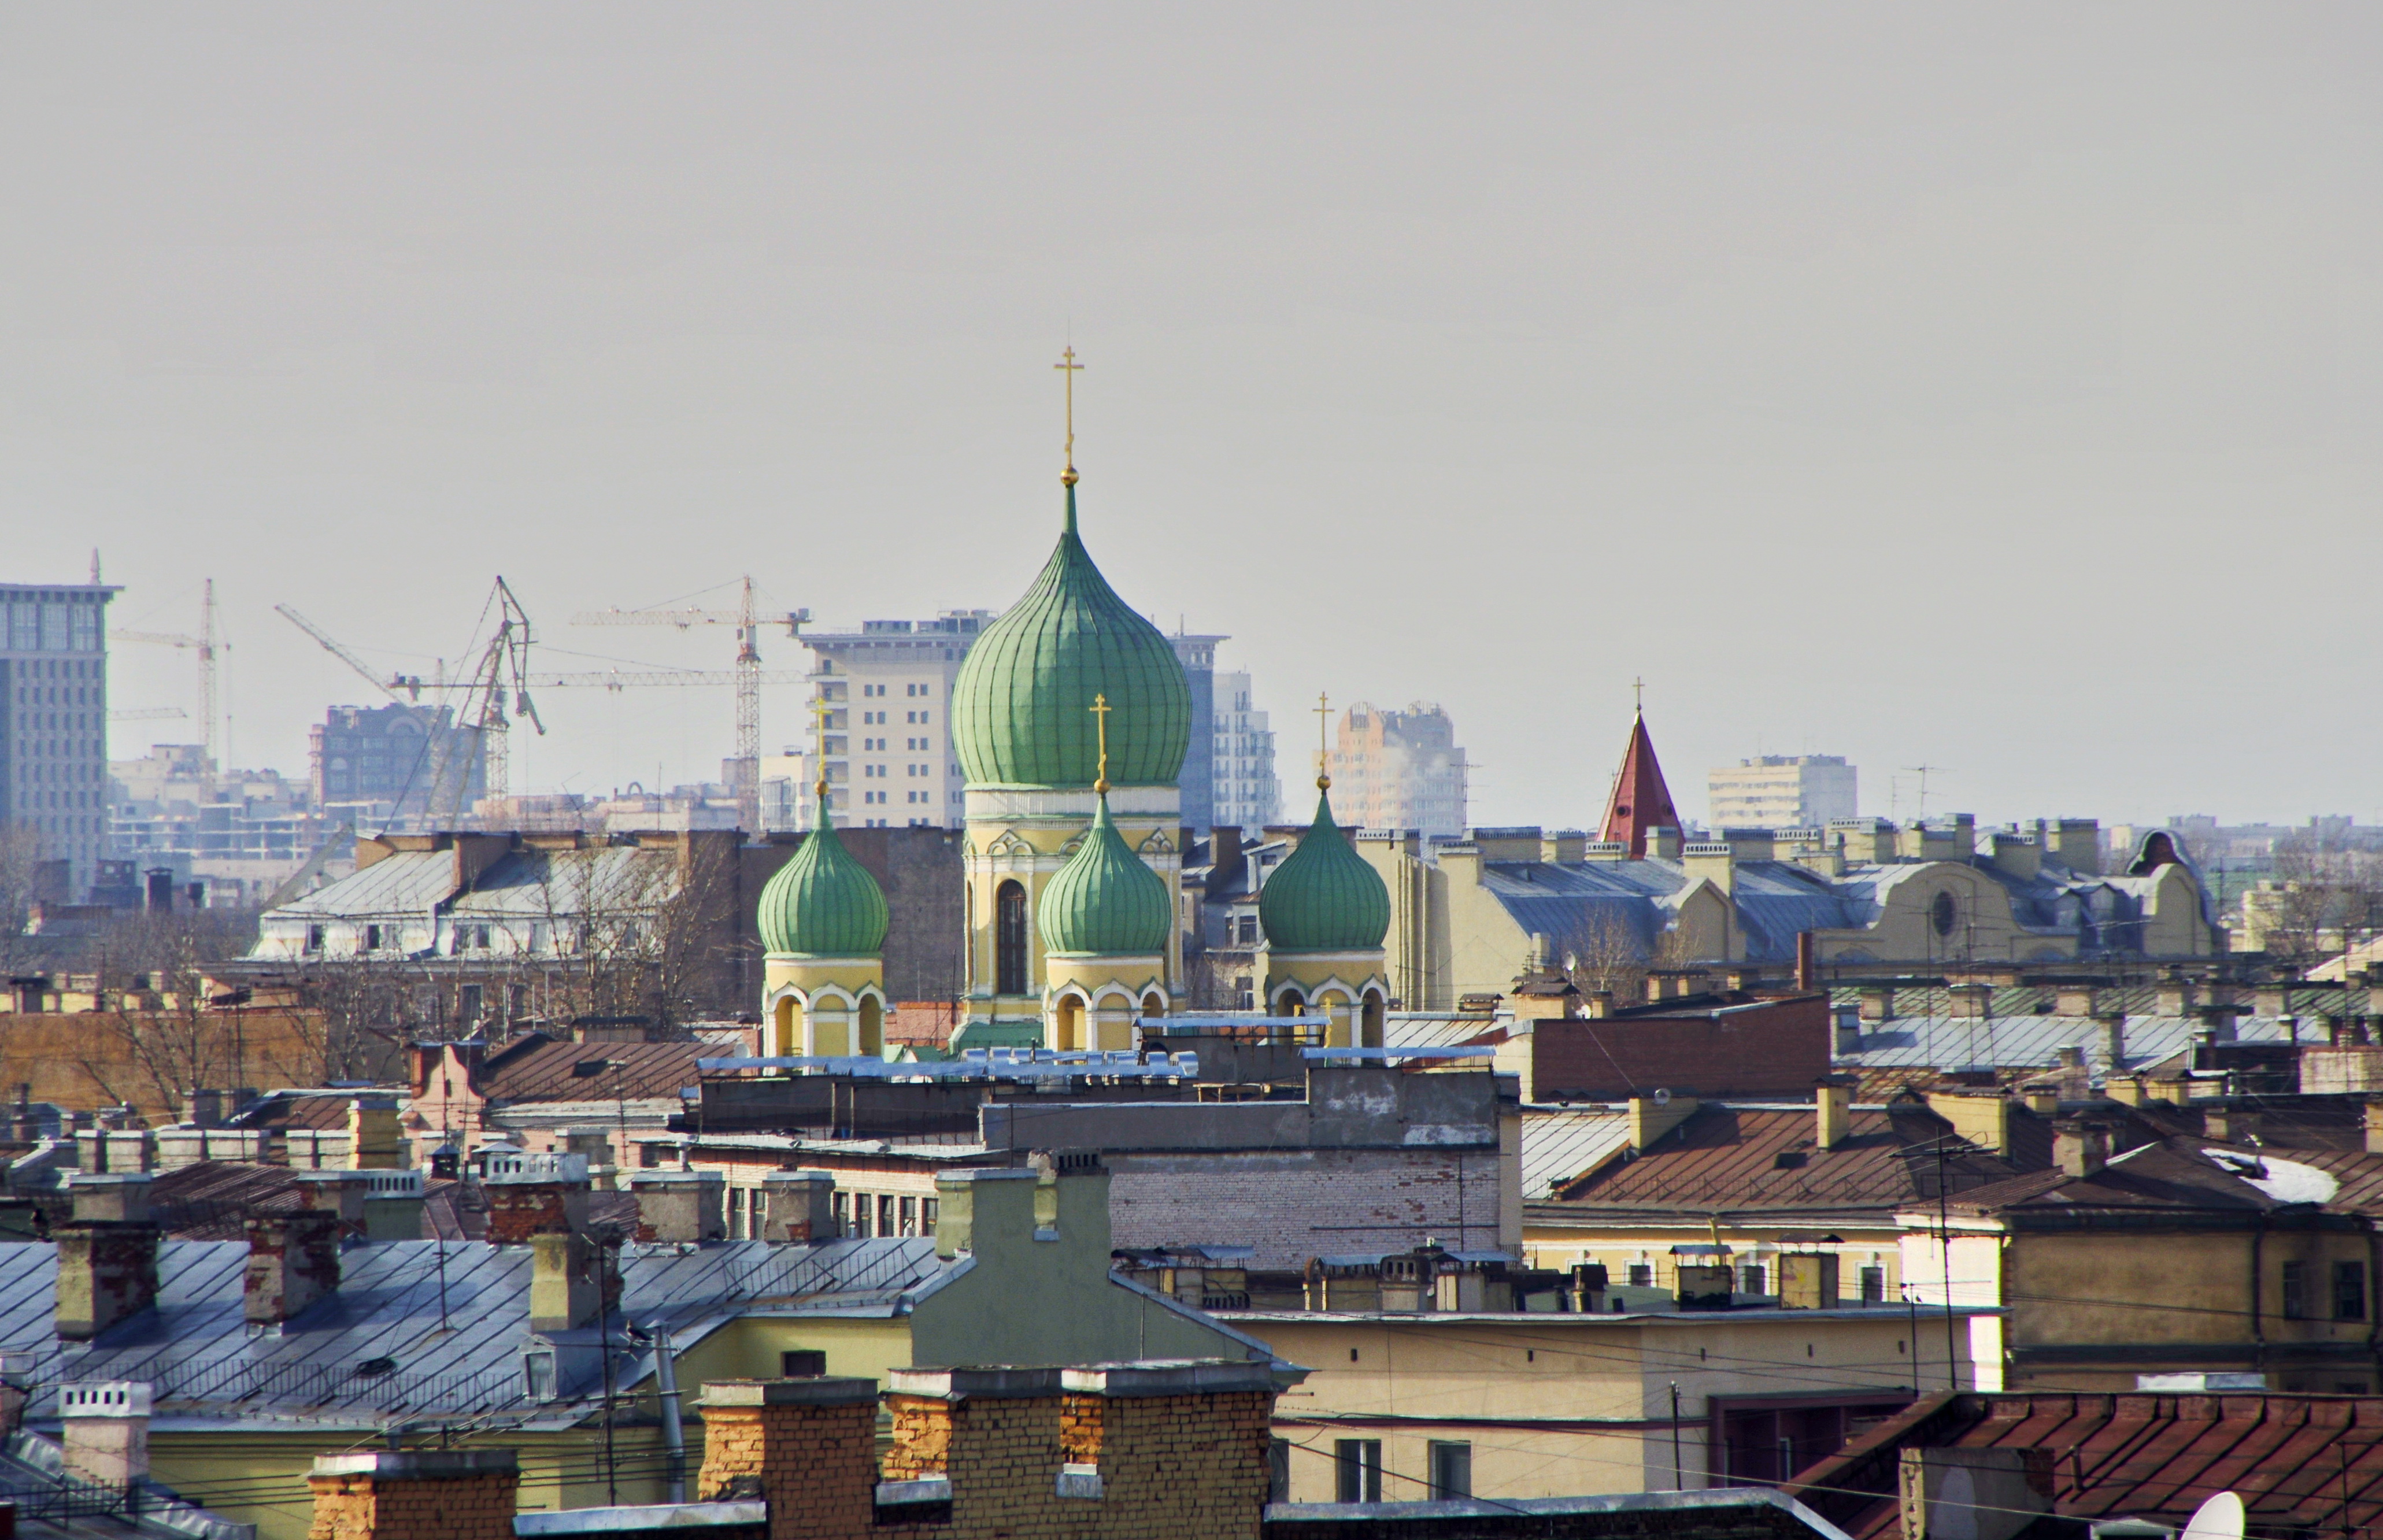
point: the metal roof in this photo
(408, 884)
(560, 884)
(1559, 1144)
(1985, 1043)
(450, 1320)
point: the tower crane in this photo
(206, 644)
(410, 683)
(747, 676)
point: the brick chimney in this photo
(808, 1443)
(293, 1260)
(534, 1195)
(336, 1192)
(107, 1255)
(802, 1206)
(374, 1140)
(681, 1206)
(400, 1494)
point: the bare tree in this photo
(23, 850)
(2326, 895)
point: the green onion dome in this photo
(1106, 902)
(1018, 715)
(1324, 897)
(823, 903)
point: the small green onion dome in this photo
(1018, 706)
(1324, 897)
(823, 903)
(1106, 902)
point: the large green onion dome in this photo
(1324, 897)
(1105, 902)
(1019, 711)
(823, 903)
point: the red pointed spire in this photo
(1640, 800)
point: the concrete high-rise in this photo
(1248, 791)
(887, 691)
(1400, 770)
(1780, 791)
(53, 721)
(400, 761)
(1198, 656)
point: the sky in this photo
(1991, 388)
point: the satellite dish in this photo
(2221, 1518)
(1663, 1098)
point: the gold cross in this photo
(1101, 710)
(1068, 368)
(1323, 755)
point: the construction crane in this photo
(206, 644)
(747, 676)
(410, 683)
(496, 689)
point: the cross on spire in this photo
(1068, 369)
(1638, 695)
(1101, 710)
(1323, 753)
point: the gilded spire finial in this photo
(1101, 710)
(1323, 754)
(1068, 368)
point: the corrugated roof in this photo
(464, 1359)
(577, 1072)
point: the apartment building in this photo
(1399, 770)
(372, 762)
(1197, 780)
(54, 721)
(1247, 790)
(887, 688)
(1781, 791)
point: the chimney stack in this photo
(542, 1201)
(393, 1206)
(1833, 1102)
(2113, 1042)
(802, 1206)
(396, 1494)
(374, 1140)
(293, 1260)
(681, 1206)
(103, 1428)
(2080, 1149)
(1808, 967)
(107, 1255)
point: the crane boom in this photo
(618, 680)
(205, 644)
(386, 686)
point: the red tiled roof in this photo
(2310, 1464)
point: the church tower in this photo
(1106, 921)
(1324, 911)
(1027, 735)
(823, 922)
(1639, 800)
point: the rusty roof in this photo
(2302, 1464)
(538, 1069)
(1726, 1158)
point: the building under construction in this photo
(376, 765)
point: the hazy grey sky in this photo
(1994, 387)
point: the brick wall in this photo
(808, 1449)
(1295, 1204)
(1777, 1048)
(414, 1494)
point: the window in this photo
(909, 1216)
(863, 1211)
(1642, 1275)
(802, 1363)
(1873, 1286)
(886, 1221)
(314, 941)
(537, 1373)
(844, 1213)
(467, 1003)
(1358, 1476)
(1451, 1469)
(2296, 1302)
(928, 1209)
(2350, 1291)
(1750, 1278)
(1248, 929)
(1009, 940)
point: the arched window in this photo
(1369, 1034)
(1009, 940)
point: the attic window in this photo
(589, 1068)
(1788, 1160)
